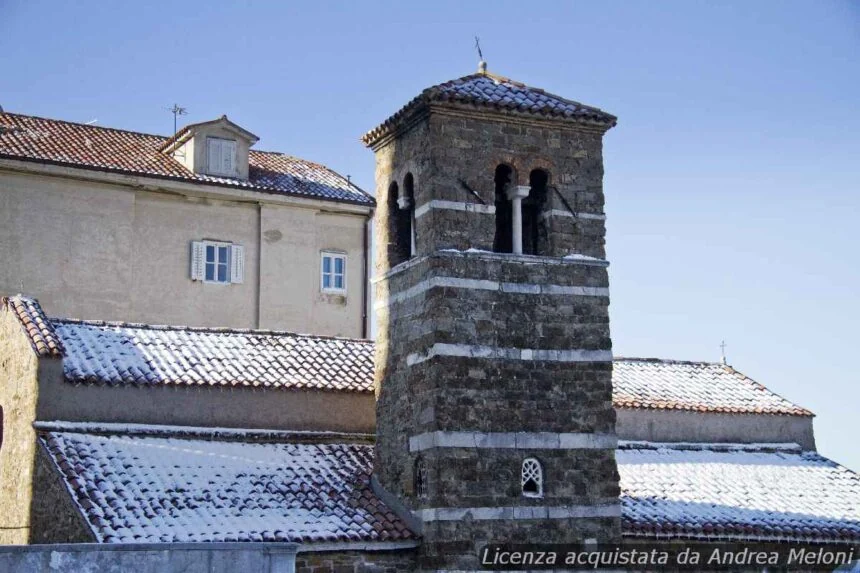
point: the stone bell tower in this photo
(494, 359)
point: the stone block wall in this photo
(484, 360)
(19, 371)
(54, 517)
(356, 561)
(453, 155)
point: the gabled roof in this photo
(117, 353)
(183, 134)
(490, 91)
(766, 492)
(36, 139)
(696, 386)
(172, 488)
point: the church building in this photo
(489, 409)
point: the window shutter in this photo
(214, 153)
(198, 260)
(228, 150)
(237, 264)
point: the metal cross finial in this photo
(723, 350)
(482, 65)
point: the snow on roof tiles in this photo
(713, 493)
(167, 489)
(166, 486)
(499, 93)
(32, 138)
(123, 353)
(697, 386)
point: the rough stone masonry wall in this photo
(504, 302)
(356, 561)
(467, 148)
(453, 156)
(54, 516)
(19, 369)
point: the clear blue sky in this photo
(732, 179)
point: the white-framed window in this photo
(333, 272)
(221, 156)
(217, 262)
(532, 478)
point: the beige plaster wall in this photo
(302, 410)
(684, 426)
(18, 395)
(292, 243)
(102, 251)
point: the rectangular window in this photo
(333, 277)
(216, 262)
(221, 154)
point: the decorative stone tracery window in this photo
(419, 477)
(532, 478)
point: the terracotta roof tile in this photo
(485, 90)
(736, 492)
(39, 328)
(127, 353)
(146, 489)
(695, 386)
(38, 139)
(140, 354)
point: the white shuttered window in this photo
(221, 155)
(216, 262)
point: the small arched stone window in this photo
(534, 223)
(503, 241)
(532, 478)
(419, 477)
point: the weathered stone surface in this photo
(472, 341)
(356, 561)
(19, 371)
(53, 515)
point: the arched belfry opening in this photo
(504, 179)
(407, 216)
(534, 223)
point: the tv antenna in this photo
(176, 110)
(723, 351)
(482, 65)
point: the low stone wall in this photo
(356, 561)
(151, 558)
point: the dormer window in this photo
(221, 154)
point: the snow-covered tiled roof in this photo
(93, 147)
(491, 91)
(171, 489)
(164, 484)
(125, 353)
(713, 492)
(697, 386)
